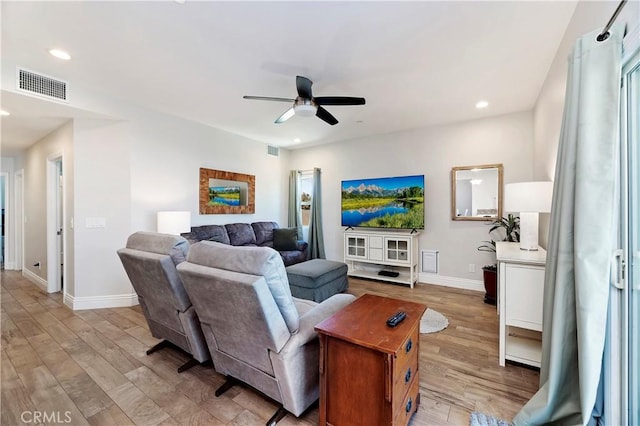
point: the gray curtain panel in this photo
(583, 215)
(294, 219)
(316, 238)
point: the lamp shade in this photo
(528, 197)
(174, 222)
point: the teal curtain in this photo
(316, 239)
(294, 219)
(583, 214)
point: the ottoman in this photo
(317, 279)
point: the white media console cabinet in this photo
(382, 255)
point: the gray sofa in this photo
(256, 331)
(261, 234)
(150, 260)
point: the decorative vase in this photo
(490, 275)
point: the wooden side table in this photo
(368, 370)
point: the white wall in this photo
(102, 192)
(548, 111)
(167, 154)
(433, 152)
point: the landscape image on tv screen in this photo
(390, 202)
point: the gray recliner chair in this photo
(256, 331)
(150, 260)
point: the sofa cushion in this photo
(264, 232)
(285, 239)
(240, 234)
(260, 261)
(217, 233)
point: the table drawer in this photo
(408, 405)
(407, 354)
(403, 379)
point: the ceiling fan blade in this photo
(268, 98)
(284, 117)
(303, 84)
(339, 100)
(325, 115)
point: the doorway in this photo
(18, 219)
(55, 223)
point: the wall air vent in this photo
(273, 150)
(41, 85)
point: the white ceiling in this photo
(416, 63)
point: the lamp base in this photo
(529, 231)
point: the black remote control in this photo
(396, 318)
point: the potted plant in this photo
(504, 229)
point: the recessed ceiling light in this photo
(4, 113)
(179, 1)
(297, 140)
(482, 104)
(60, 54)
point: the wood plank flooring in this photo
(90, 367)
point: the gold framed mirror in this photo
(476, 192)
(226, 192)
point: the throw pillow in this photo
(285, 239)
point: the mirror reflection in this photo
(476, 192)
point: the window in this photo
(306, 195)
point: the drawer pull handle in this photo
(407, 376)
(408, 347)
(408, 407)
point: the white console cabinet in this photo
(520, 298)
(366, 253)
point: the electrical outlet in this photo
(472, 267)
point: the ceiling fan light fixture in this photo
(305, 107)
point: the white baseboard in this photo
(9, 266)
(455, 282)
(40, 282)
(100, 302)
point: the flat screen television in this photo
(387, 202)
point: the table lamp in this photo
(174, 222)
(529, 199)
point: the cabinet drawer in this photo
(403, 378)
(375, 241)
(375, 254)
(409, 404)
(407, 354)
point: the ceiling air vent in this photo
(273, 150)
(41, 85)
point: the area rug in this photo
(479, 419)
(433, 321)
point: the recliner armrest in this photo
(302, 245)
(316, 315)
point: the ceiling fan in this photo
(306, 105)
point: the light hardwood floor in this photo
(90, 367)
